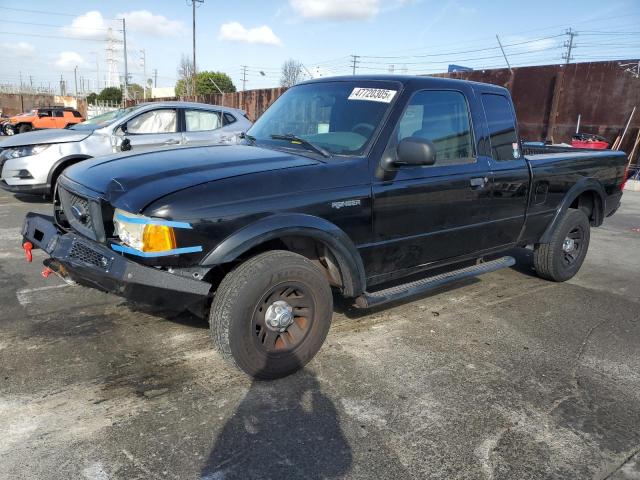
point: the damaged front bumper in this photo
(95, 265)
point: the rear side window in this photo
(443, 118)
(502, 127)
(76, 114)
(229, 119)
(58, 113)
(201, 120)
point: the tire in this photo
(251, 294)
(559, 261)
(25, 127)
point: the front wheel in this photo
(561, 258)
(271, 314)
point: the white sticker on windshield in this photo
(372, 94)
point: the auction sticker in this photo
(372, 94)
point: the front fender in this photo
(582, 186)
(296, 224)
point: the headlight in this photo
(24, 151)
(139, 232)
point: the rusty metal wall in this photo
(601, 92)
(15, 103)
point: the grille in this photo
(83, 214)
(87, 255)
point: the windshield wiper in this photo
(295, 139)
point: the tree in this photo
(92, 97)
(135, 91)
(206, 84)
(185, 75)
(291, 73)
(111, 94)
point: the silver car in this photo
(31, 162)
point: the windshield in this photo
(338, 117)
(104, 119)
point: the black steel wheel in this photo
(561, 258)
(271, 314)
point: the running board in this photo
(368, 300)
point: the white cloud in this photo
(20, 49)
(235, 32)
(88, 25)
(336, 9)
(531, 46)
(69, 59)
(146, 22)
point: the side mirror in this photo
(125, 146)
(414, 151)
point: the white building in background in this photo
(163, 92)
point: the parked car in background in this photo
(41, 118)
(32, 162)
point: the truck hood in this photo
(38, 137)
(132, 182)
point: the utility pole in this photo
(20, 81)
(143, 60)
(504, 54)
(569, 46)
(31, 81)
(355, 62)
(125, 92)
(244, 77)
(155, 78)
(75, 76)
(193, 15)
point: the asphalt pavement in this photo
(502, 377)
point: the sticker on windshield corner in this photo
(372, 94)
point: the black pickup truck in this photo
(346, 184)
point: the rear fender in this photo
(299, 225)
(584, 185)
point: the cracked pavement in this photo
(502, 377)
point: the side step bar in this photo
(368, 300)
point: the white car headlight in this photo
(24, 151)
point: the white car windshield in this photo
(104, 119)
(337, 118)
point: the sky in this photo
(42, 41)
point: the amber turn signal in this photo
(158, 238)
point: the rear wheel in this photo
(25, 127)
(561, 258)
(271, 314)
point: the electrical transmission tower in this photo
(113, 76)
(569, 46)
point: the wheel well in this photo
(589, 202)
(318, 252)
(60, 168)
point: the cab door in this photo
(510, 189)
(424, 214)
(45, 119)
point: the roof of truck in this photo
(421, 80)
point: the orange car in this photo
(43, 117)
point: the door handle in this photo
(478, 182)
(172, 141)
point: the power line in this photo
(355, 62)
(23, 34)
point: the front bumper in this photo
(94, 265)
(31, 189)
